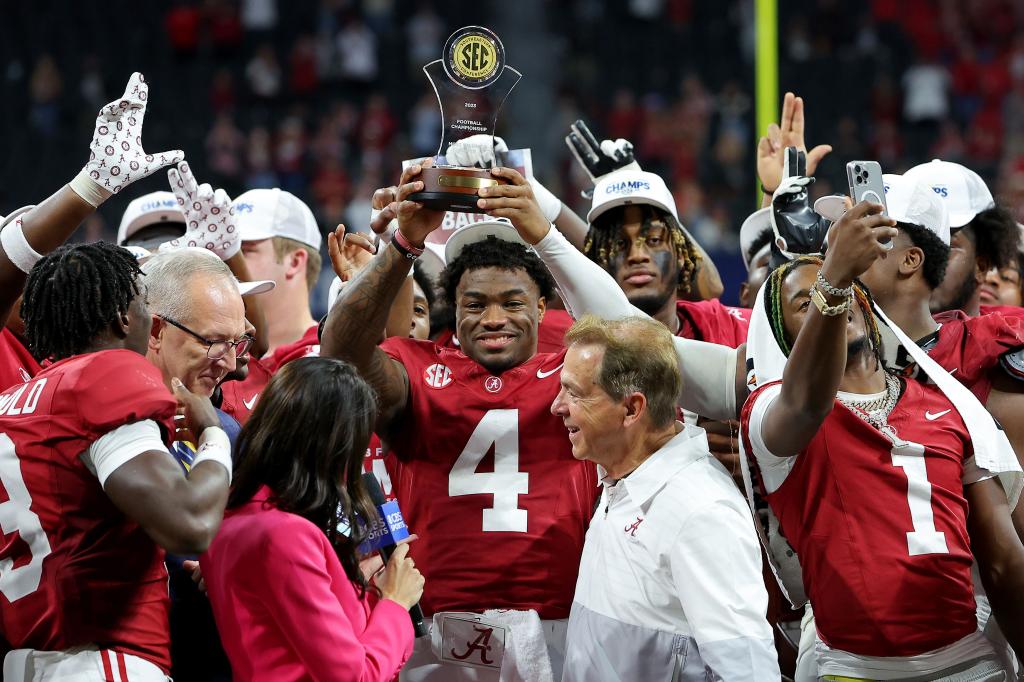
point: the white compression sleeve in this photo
(708, 369)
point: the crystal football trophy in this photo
(471, 82)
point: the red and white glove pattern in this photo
(208, 214)
(116, 156)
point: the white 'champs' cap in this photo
(911, 201)
(963, 191)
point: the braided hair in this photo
(74, 293)
(773, 305)
(602, 242)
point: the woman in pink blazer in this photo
(287, 592)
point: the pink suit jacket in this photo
(285, 609)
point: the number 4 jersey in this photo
(880, 525)
(73, 569)
(489, 483)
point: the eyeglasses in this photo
(215, 350)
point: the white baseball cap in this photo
(266, 213)
(499, 228)
(630, 186)
(962, 190)
(149, 209)
(756, 224)
(911, 201)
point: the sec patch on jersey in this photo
(437, 376)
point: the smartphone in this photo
(865, 178)
(794, 163)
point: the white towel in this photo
(526, 660)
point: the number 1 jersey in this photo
(881, 528)
(489, 483)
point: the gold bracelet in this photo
(829, 310)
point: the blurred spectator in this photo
(182, 26)
(925, 103)
(303, 76)
(90, 85)
(357, 51)
(224, 147)
(259, 16)
(222, 91)
(424, 34)
(44, 89)
(264, 73)
(289, 154)
(261, 171)
(224, 26)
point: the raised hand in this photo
(771, 148)
(349, 253)
(414, 219)
(798, 229)
(208, 214)
(116, 155)
(863, 235)
(515, 201)
(599, 159)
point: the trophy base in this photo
(454, 188)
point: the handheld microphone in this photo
(385, 532)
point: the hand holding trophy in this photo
(471, 81)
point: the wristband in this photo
(17, 248)
(831, 290)
(550, 205)
(405, 245)
(214, 446)
(87, 188)
(398, 247)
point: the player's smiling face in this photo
(591, 416)
(496, 316)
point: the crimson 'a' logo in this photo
(481, 644)
(437, 376)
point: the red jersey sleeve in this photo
(118, 387)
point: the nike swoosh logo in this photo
(545, 375)
(953, 371)
(932, 417)
(250, 402)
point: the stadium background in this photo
(325, 98)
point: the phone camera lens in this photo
(857, 170)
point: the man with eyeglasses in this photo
(199, 335)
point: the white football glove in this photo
(598, 160)
(475, 150)
(480, 150)
(116, 156)
(209, 216)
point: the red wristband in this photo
(406, 245)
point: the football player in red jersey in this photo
(985, 352)
(890, 579)
(488, 479)
(92, 496)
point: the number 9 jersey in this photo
(489, 483)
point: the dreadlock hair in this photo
(495, 253)
(773, 305)
(936, 252)
(73, 294)
(603, 244)
(995, 235)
